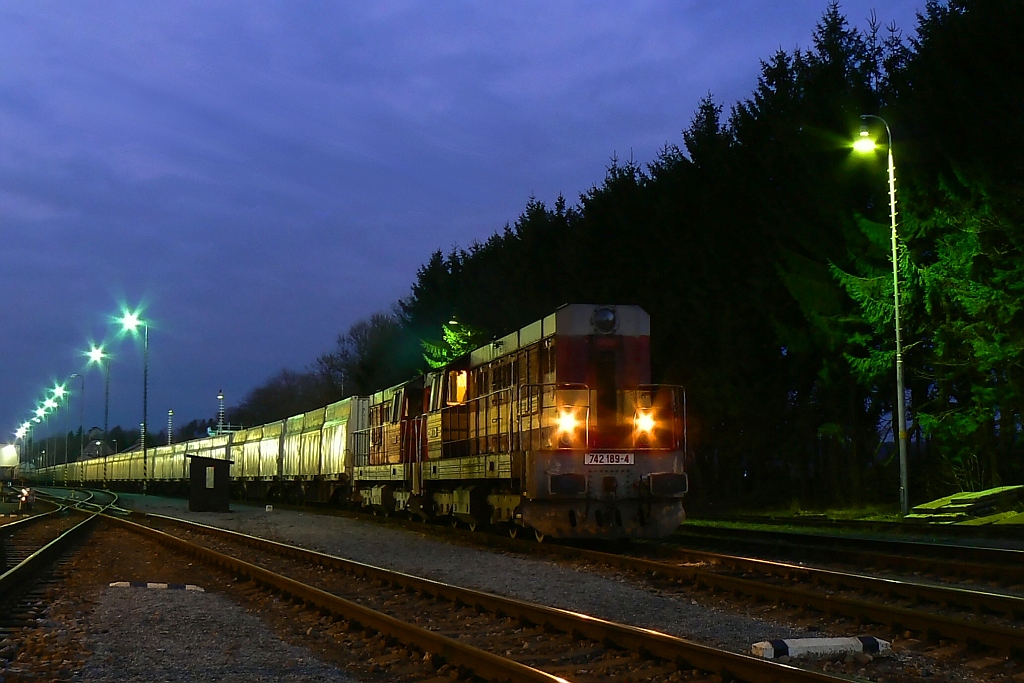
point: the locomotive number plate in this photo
(608, 459)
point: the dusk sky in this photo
(261, 175)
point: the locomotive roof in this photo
(568, 320)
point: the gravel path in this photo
(602, 594)
(176, 635)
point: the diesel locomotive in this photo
(555, 428)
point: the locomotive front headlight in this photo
(566, 426)
(567, 422)
(644, 424)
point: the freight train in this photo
(554, 429)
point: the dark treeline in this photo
(760, 247)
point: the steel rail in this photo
(661, 645)
(1011, 605)
(868, 557)
(971, 631)
(484, 664)
(937, 553)
(904, 526)
(18, 576)
(9, 528)
(975, 600)
(86, 503)
(1000, 637)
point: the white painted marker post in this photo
(818, 647)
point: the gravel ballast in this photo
(177, 635)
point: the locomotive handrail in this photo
(480, 408)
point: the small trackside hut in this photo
(209, 484)
(555, 428)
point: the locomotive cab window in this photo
(457, 383)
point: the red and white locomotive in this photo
(554, 428)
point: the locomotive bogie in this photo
(602, 519)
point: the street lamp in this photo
(81, 423)
(43, 413)
(22, 433)
(60, 391)
(130, 322)
(220, 412)
(97, 355)
(866, 144)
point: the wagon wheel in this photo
(513, 530)
(455, 523)
(539, 536)
(472, 526)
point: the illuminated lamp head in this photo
(96, 354)
(566, 427)
(864, 144)
(604, 320)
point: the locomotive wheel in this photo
(472, 526)
(513, 530)
(539, 536)
(455, 523)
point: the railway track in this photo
(934, 610)
(927, 610)
(496, 638)
(82, 499)
(35, 550)
(32, 548)
(976, 617)
(23, 538)
(995, 532)
(964, 561)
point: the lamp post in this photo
(81, 421)
(59, 392)
(37, 419)
(130, 323)
(866, 144)
(22, 434)
(220, 412)
(49, 405)
(98, 356)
